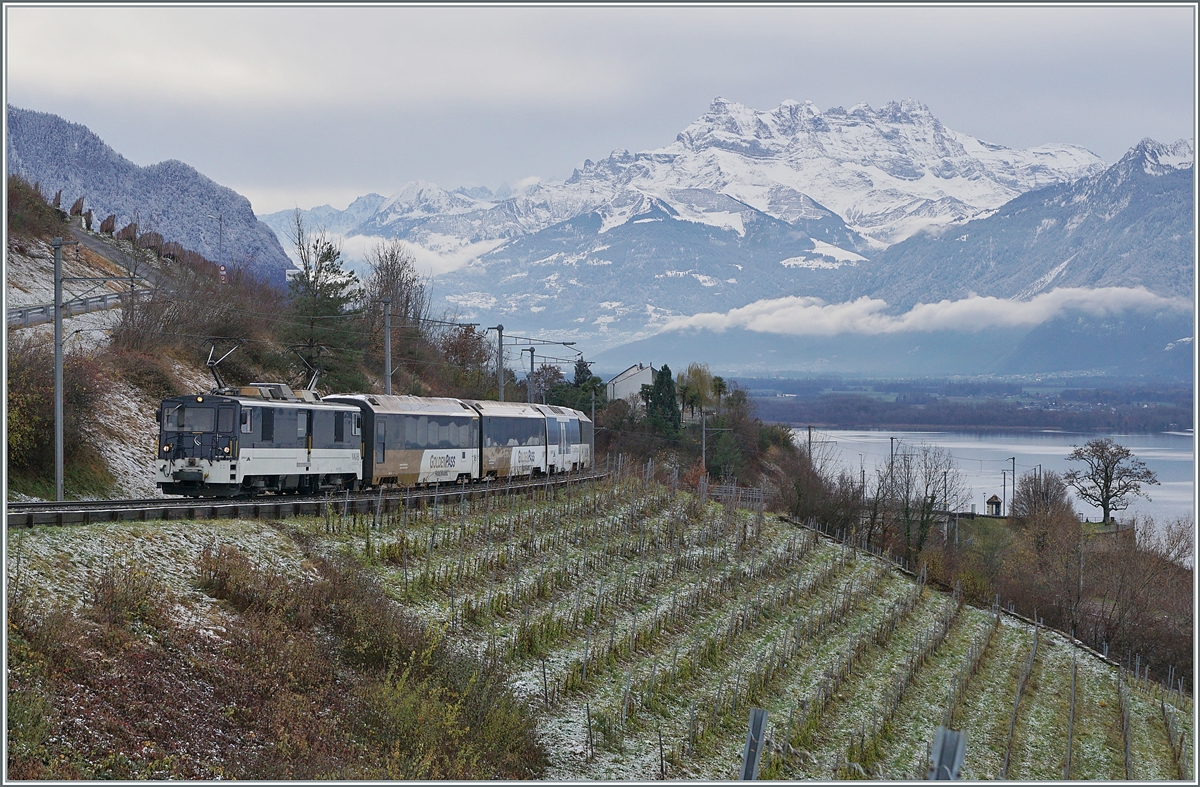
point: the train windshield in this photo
(190, 418)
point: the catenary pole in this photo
(387, 346)
(500, 361)
(529, 381)
(58, 243)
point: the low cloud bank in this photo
(807, 316)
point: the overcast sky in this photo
(303, 106)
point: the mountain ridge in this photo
(170, 197)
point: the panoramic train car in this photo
(514, 438)
(264, 437)
(415, 440)
(569, 438)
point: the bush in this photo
(31, 402)
(152, 373)
(423, 711)
(128, 594)
(29, 215)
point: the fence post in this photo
(754, 739)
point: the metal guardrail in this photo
(26, 316)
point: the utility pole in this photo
(1004, 491)
(703, 442)
(500, 361)
(593, 408)
(1014, 474)
(387, 346)
(891, 462)
(529, 380)
(58, 243)
(810, 443)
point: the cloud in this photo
(290, 100)
(807, 316)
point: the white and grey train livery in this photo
(265, 437)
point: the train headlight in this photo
(199, 398)
(166, 448)
(226, 449)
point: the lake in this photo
(981, 456)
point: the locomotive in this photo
(265, 437)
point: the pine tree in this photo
(325, 319)
(662, 407)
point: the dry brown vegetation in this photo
(321, 677)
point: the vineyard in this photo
(644, 621)
(641, 622)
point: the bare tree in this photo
(1040, 502)
(1039, 493)
(1139, 591)
(920, 484)
(1112, 476)
(393, 274)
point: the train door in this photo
(553, 443)
(380, 439)
(304, 432)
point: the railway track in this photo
(86, 512)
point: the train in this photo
(266, 438)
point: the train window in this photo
(380, 439)
(225, 419)
(247, 424)
(357, 427)
(339, 427)
(535, 431)
(410, 433)
(573, 431)
(552, 431)
(190, 419)
(302, 423)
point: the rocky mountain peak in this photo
(1157, 158)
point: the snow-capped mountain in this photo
(744, 204)
(170, 197)
(1129, 225)
(888, 174)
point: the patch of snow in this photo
(824, 249)
(473, 300)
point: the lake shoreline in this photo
(984, 459)
(962, 428)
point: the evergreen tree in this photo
(324, 319)
(582, 372)
(662, 406)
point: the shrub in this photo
(421, 710)
(31, 402)
(126, 594)
(29, 215)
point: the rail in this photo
(86, 512)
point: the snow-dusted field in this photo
(686, 615)
(545, 585)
